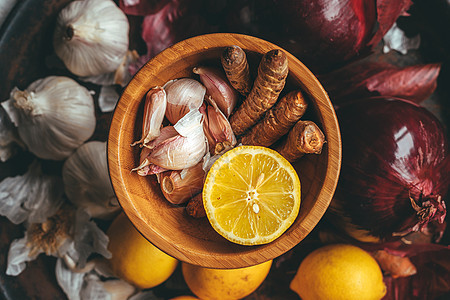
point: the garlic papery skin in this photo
(155, 104)
(31, 197)
(218, 88)
(179, 186)
(68, 232)
(53, 116)
(120, 76)
(185, 149)
(9, 137)
(218, 130)
(183, 95)
(87, 183)
(91, 37)
(145, 167)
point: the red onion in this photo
(327, 33)
(330, 30)
(395, 169)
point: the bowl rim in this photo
(246, 258)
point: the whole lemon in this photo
(339, 271)
(224, 284)
(135, 259)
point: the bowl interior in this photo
(168, 226)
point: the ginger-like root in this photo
(272, 72)
(277, 121)
(235, 65)
(304, 138)
(195, 208)
(396, 266)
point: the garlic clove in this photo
(184, 150)
(165, 133)
(207, 132)
(154, 111)
(145, 166)
(218, 88)
(178, 153)
(220, 135)
(179, 186)
(183, 95)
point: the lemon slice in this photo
(251, 195)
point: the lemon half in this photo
(251, 195)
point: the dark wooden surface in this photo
(26, 55)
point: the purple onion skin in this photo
(393, 149)
(326, 32)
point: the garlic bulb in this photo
(86, 180)
(53, 116)
(91, 37)
(31, 197)
(183, 95)
(9, 138)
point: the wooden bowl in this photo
(168, 226)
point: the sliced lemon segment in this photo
(251, 195)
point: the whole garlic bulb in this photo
(86, 180)
(91, 37)
(53, 116)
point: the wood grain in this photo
(168, 226)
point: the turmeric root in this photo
(235, 65)
(277, 121)
(305, 137)
(270, 81)
(195, 207)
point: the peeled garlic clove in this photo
(184, 150)
(219, 129)
(219, 88)
(91, 37)
(183, 95)
(179, 186)
(154, 111)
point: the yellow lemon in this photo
(135, 259)
(339, 271)
(224, 284)
(251, 195)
